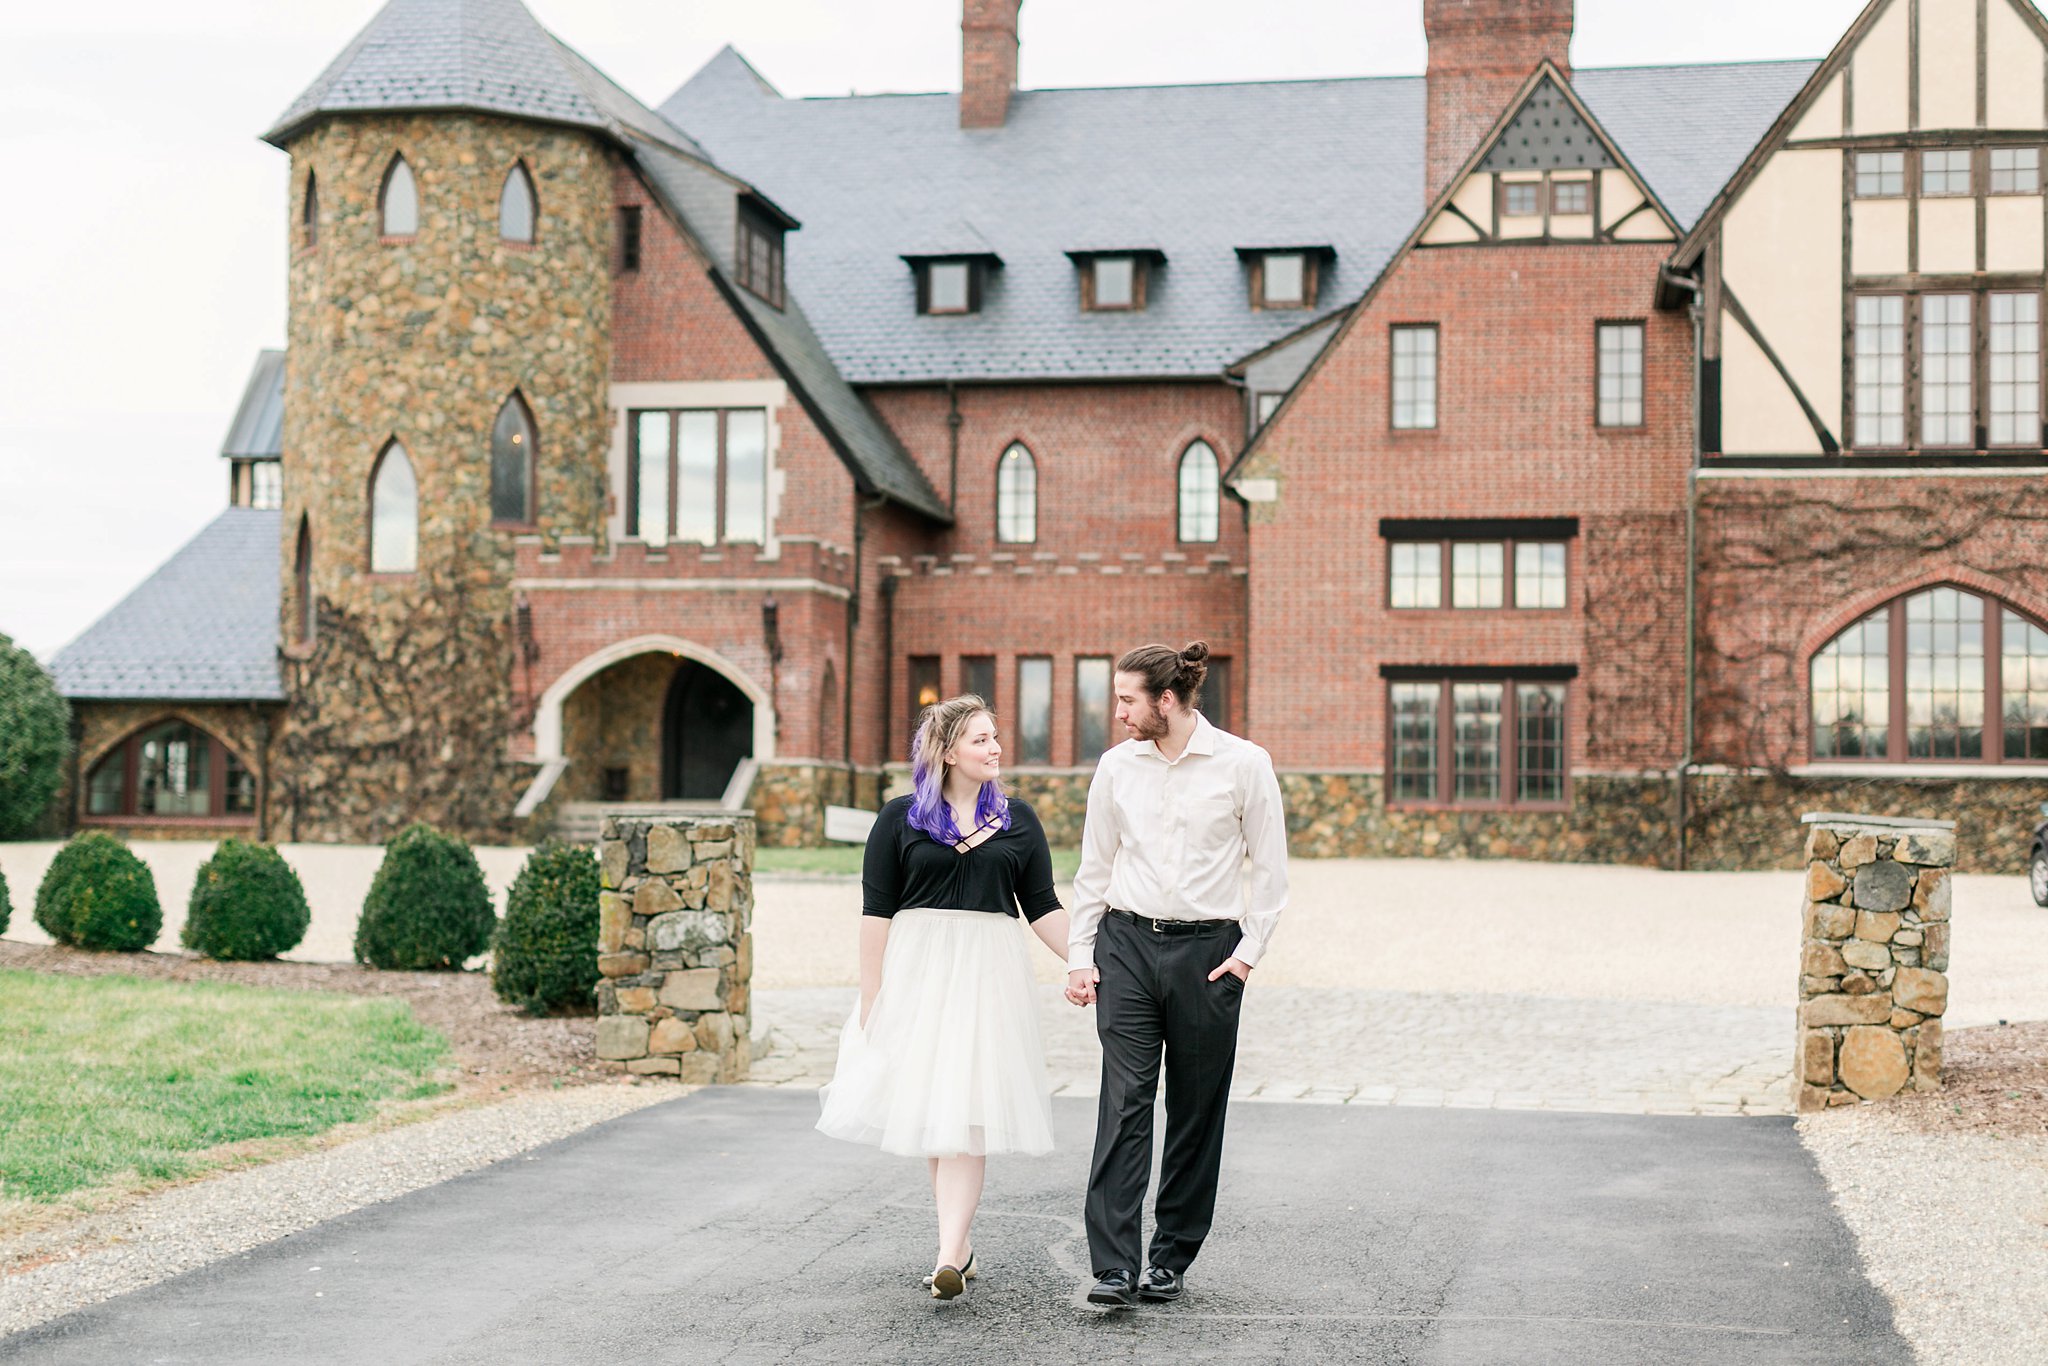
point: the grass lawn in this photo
(845, 858)
(117, 1078)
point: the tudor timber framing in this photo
(1545, 70)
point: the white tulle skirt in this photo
(951, 1060)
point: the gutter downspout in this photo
(860, 508)
(1681, 795)
(953, 421)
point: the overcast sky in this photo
(142, 257)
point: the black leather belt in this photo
(1158, 926)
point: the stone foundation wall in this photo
(1873, 963)
(789, 801)
(674, 947)
(1611, 820)
(1738, 821)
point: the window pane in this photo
(311, 210)
(1945, 370)
(1539, 742)
(516, 207)
(1113, 281)
(2015, 369)
(1285, 278)
(1944, 675)
(1413, 709)
(1881, 370)
(103, 791)
(1944, 172)
(1416, 577)
(238, 796)
(394, 515)
(746, 475)
(946, 287)
(648, 517)
(2015, 170)
(2024, 674)
(697, 477)
(1571, 196)
(401, 201)
(511, 464)
(1091, 709)
(1478, 573)
(1268, 404)
(1521, 199)
(1475, 741)
(978, 676)
(1216, 697)
(1880, 174)
(1621, 375)
(924, 692)
(1200, 493)
(171, 774)
(266, 484)
(1016, 497)
(1034, 711)
(1539, 574)
(1414, 377)
(1852, 699)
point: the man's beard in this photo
(1148, 724)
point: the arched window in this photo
(172, 768)
(828, 713)
(309, 215)
(516, 207)
(512, 463)
(1200, 491)
(399, 201)
(1941, 675)
(394, 514)
(1016, 496)
(302, 581)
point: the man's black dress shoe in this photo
(1158, 1284)
(1115, 1289)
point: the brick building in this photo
(1544, 452)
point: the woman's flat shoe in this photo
(967, 1272)
(948, 1283)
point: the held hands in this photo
(1081, 986)
(1237, 966)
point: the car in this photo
(2037, 865)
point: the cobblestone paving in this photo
(1366, 1047)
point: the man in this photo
(1165, 934)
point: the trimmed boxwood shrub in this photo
(246, 903)
(35, 736)
(428, 908)
(6, 907)
(98, 895)
(545, 957)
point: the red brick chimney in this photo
(988, 61)
(1480, 52)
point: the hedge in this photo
(246, 903)
(545, 957)
(428, 908)
(99, 895)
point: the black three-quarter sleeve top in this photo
(906, 869)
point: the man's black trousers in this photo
(1155, 999)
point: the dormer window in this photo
(1283, 277)
(758, 262)
(1114, 281)
(951, 284)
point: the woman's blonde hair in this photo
(939, 728)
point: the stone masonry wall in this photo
(1873, 961)
(674, 946)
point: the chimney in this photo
(1480, 52)
(988, 61)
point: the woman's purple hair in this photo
(938, 731)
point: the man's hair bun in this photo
(1195, 653)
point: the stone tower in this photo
(407, 346)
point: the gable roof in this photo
(203, 627)
(258, 429)
(1196, 172)
(486, 55)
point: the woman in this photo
(941, 1058)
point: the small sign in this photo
(848, 824)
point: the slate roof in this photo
(202, 628)
(258, 429)
(488, 55)
(1194, 171)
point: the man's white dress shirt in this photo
(1168, 839)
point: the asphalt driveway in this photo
(719, 1228)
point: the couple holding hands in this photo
(942, 1057)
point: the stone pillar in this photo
(674, 946)
(1873, 961)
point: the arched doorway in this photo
(707, 728)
